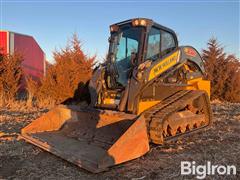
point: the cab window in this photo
(168, 43)
(125, 48)
(153, 48)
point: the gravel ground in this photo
(219, 144)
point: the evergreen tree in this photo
(223, 72)
(10, 77)
(72, 67)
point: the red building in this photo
(33, 56)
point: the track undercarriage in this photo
(183, 113)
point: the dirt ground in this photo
(219, 144)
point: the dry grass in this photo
(218, 144)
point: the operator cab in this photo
(133, 42)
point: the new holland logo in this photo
(163, 65)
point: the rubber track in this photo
(157, 114)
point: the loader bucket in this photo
(90, 138)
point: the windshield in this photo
(128, 41)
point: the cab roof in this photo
(150, 22)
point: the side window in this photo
(132, 46)
(168, 43)
(126, 47)
(121, 53)
(153, 49)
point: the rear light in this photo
(190, 51)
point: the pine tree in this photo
(10, 77)
(221, 70)
(72, 68)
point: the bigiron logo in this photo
(201, 171)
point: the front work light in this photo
(139, 22)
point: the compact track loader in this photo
(149, 90)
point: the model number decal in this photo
(163, 65)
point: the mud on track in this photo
(219, 144)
